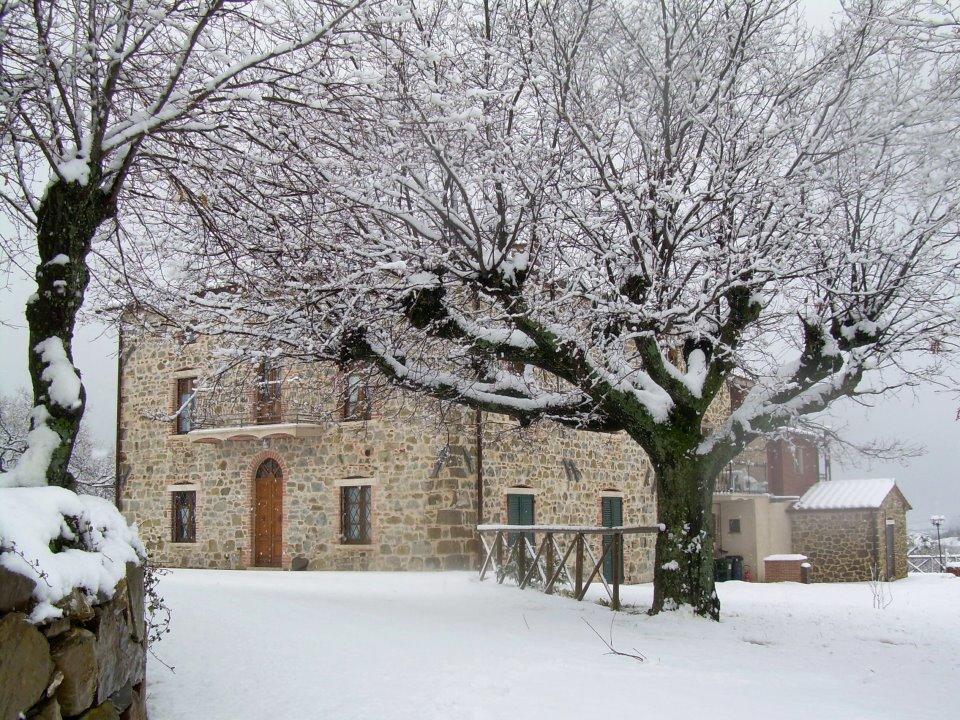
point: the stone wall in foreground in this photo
(87, 665)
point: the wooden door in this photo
(268, 515)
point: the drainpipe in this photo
(479, 448)
(117, 496)
(876, 543)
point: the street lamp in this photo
(937, 521)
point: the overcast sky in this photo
(923, 416)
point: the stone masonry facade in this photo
(850, 545)
(422, 462)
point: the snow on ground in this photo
(261, 644)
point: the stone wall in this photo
(418, 521)
(841, 544)
(87, 665)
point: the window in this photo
(733, 526)
(355, 404)
(611, 515)
(355, 525)
(184, 516)
(268, 393)
(186, 389)
(520, 511)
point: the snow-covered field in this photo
(254, 645)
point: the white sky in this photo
(923, 415)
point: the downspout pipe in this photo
(117, 494)
(478, 428)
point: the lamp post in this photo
(937, 521)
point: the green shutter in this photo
(611, 511)
(513, 509)
(520, 512)
(520, 509)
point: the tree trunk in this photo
(67, 220)
(683, 564)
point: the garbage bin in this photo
(736, 567)
(721, 569)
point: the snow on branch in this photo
(631, 205)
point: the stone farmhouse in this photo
(278, 464)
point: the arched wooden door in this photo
(268, 515)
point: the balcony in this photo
(268, 408)
(218, 427)
(747, 476)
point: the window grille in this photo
(184, 516)
(355, 520)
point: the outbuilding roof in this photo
(847, 494)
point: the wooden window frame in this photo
(730, 526)
(268, 393)
(187, 535)
(798, 460)
(359, 409)
(191, 384)
(364, 513)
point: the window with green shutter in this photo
(520, 512)
(611, 512)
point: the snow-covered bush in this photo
(63, 541)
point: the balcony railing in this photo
(213, 420)
(739, 477)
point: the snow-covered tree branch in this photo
(595, 213)
(100, 101)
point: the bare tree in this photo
(100, 97)
(91, 465)
(592, 214)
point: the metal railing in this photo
(515, 552)
(213, 421)
(742, 477)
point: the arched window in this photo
(269, 468)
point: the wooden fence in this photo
(515, 551)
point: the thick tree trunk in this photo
(68, 218)
(683, 565)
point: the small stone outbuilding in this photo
(852, 530)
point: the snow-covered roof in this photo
(786, 557)
(846, 494)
